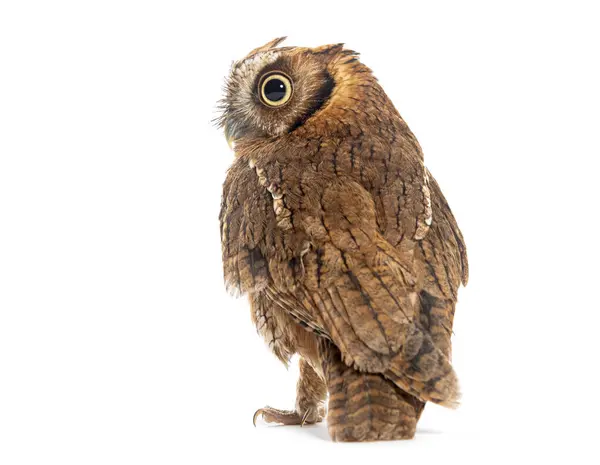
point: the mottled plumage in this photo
(342, 240)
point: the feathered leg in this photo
(366, 406)
(311, 393)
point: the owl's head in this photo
(274, 91)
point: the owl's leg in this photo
(366, 406)
(311, 393)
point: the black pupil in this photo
(274, 90)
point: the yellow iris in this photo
(276, 89)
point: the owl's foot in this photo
(290, 417)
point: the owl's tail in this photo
(423, 370)
(366, 406)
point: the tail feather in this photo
(423, 370)
(366, 406)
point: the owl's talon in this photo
(305, 416)
(284, 417)
(256, 414)
(272, 415)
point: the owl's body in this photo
(343, 242)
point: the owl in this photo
(341, 239)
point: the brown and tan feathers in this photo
(332, 219)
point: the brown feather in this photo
(342, 239)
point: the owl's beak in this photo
(229, 136)
(234, 132)
(230, 142)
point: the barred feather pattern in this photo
(344, 242)
(366, 406)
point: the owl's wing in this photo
(453, 243)
(243, 230)
(363, 293)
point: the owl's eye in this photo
(275, 89)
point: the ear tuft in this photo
(349, 52)
(331, 49)
(269, 45)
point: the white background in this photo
(118, 342)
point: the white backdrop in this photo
(118, 342)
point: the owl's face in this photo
(275, 90)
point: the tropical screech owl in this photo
(342, 240)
